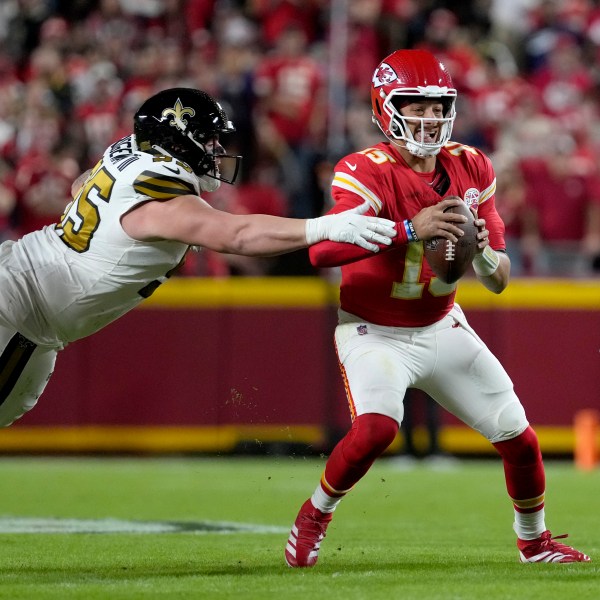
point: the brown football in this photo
(450, 261)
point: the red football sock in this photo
(368, 438)
(524, 471)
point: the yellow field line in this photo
(264, 292)
(150, 439)
(310, 292)
(557, 294)
(454, 439)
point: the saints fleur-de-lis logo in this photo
(179, 113)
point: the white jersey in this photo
(70, 279)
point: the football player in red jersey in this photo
(399, 326)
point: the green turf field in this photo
(419, 533)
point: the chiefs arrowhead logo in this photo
(472, 197)
(383, 75)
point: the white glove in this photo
(352, 227)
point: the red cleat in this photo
(302, 548)
(546, 549)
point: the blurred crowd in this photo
(295, 75)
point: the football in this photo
(450, 261)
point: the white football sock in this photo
(529, 526)
(323, 501)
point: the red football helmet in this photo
(404, 76)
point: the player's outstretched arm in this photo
(190, 220)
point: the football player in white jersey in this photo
(131, 222)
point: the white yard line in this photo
(10, 524)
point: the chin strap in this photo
(209, 184)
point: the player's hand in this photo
(352, 227)
(483, 233)
(432, 221)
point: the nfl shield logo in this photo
(362, 330)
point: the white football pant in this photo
(447, 360)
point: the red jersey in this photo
(290, 86)
(397, 287)
(561, 200)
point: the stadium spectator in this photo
(237, 58)
(11, 93)
(114, 31)
(278, 16)
(289, 87)
(42, 185)
(99, 110)
(449, 41)
(520, 235)
(7, 203)
(562, 215)
(365, 43)
(548, 27)
(564, 81)
(497, 94)
(398, 324)
(89, 58)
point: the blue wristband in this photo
(411, 234)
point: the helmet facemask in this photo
(400, 129)
(211, 160)
(217, 166)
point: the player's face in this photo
(212, 146)
(422, 117)
(225, 165)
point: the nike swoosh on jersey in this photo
(351, 167)
(176, 170)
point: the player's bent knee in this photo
(23, 393)
(512, 418)
(510, 422)
(15, 407)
